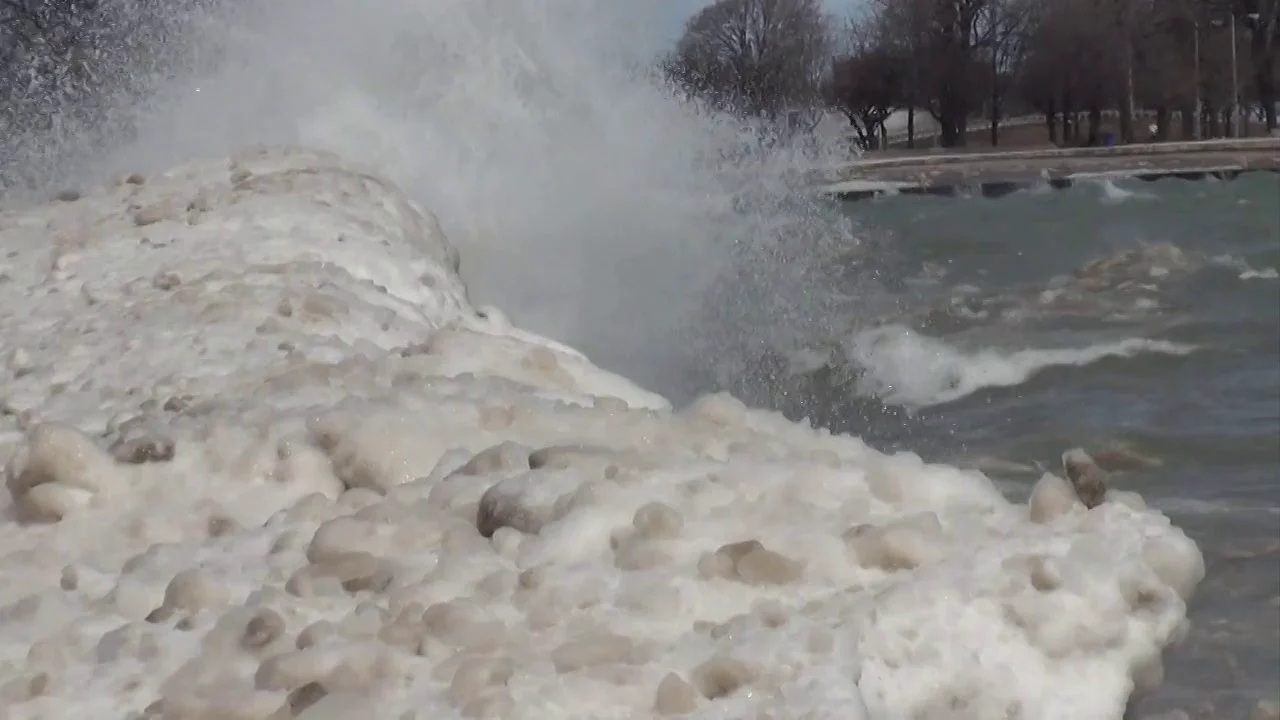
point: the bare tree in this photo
(1075, 62)
(1169, 57)
(905, 30)
(1170, 62)
(943, 38)
(1004, 24)
(867, 86)
(1121, 25)
(758, 58)
(1078, 62)
(1262, 18)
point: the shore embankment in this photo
(993, 174)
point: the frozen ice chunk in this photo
(57, 470)
(904, 544)
(1051, 498)
(1089, 481)
(503, 457)
(331, 488)
(140, 440)
(369, 451)
(525, 502)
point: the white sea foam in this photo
(1247, 271)
(902, 366)
(257, 429)
(1113, 194)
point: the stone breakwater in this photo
(266, 460)
(994, 174)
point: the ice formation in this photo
(267, 461)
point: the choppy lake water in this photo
(1138, 316)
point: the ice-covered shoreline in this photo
(294, 472)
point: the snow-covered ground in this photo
(268, 461)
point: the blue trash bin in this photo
(1108, 139)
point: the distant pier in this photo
(994, 174)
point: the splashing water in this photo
(586, 200)
(590, 205)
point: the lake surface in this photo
(1137, 318)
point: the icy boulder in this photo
(264, 460)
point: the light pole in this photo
(1229, 19)
(1235, 78)
(1130, 105)
(1253, 21)
(1196, 130)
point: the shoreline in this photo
(995, 174)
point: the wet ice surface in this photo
(267, 461)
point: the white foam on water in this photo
(902, 366)
(1263, 274)
(267, 460)
(1247, 271)
(1113, 194)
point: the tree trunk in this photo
(912, 82)
(1126, 123)
(1188, 122)
(1162, 124)
(950, 135)
(950, 119)
(995, 99)
(1068, 119)
(1127, 107)
(1265, 80)
(1263, 50)
(1095, 126)
(1215, 122)
(1051, 121)
(864, 137)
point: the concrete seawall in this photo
(995, 174)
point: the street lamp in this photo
(1228, 18)
(1197, 132)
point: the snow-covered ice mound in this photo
(267, 461)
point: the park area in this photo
(1032, 132)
